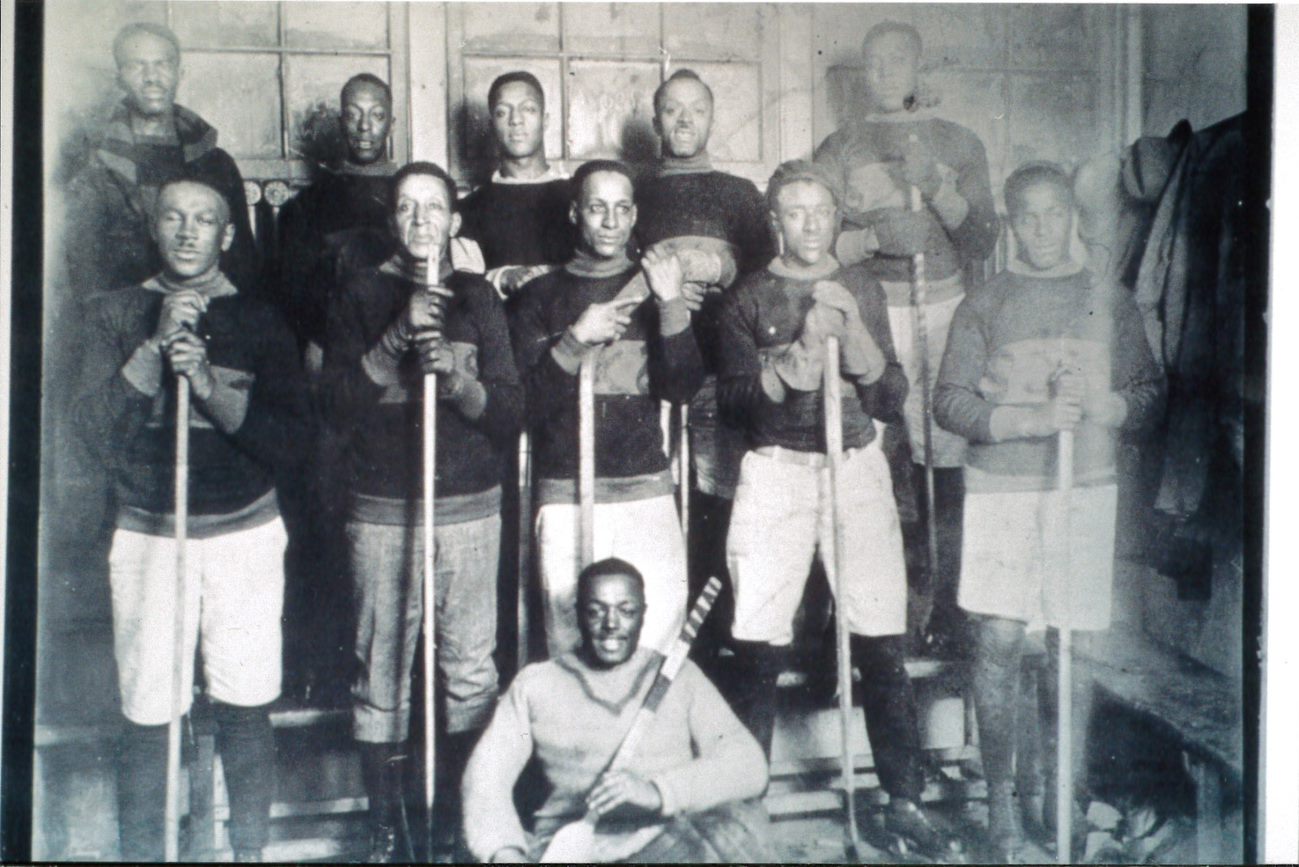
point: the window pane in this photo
(239, 95)
(477, 147)
(716, 30)
(511, 26)
(311, 86)
(737, 110)
(336, 25)
(611, 28)
(610, 110)
(222, 25)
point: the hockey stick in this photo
(919, 291)
(171, 821)
(429, 430)
(1064, 686)
(572, 843)
(833, 395)
(586, 459)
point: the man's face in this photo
(519, 120)
(148, 69)
(806, 219)
(610, 616)
(891, 65)
(367, 120)
(1041, 221)
(684, 118)
(191, 229)
(605, 214)
(422, 216)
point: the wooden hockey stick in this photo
(1064, 686)
(919, 291)
(429, 431)
(586, 458)
(833, 396)
(572, 843)
(171, 820)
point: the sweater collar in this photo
(378, 169)
(213, 285)
(583, 264)
(698, 164)
(552, 173)
(122, 152)
(414, 271)
(1067, 268)
(612, 688)
(820, 270)
(904, 116)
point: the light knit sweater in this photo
(572, 718)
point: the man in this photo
(519, 218)
(391, 326)
(1045, 347)
(718, 219)
(681, 798)
(775, 327)
(247, 422)
(340, 221)
(317, 224)
(646, 354)
(149, 140)
(877, 159)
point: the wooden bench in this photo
(1193, 706)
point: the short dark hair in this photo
(135, 28)
(520, 76)
(606, 567)
(421, 168)
(365, 78)
(796, 171)
(1030, 175)
(885, 28)
(585, 170)
(680, 75)
(175, 182)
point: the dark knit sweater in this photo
(761, 318)
(315, 228)
(134, 435)
(380, 426)
(519, 224)
(706, 204)
(108, 240)
(860, 155)
(634, 375)
(1007, 340)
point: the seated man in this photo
(680, 799)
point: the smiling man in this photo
(776, 324)
(719, 220)
(148, 141)
(389, 327)
(646, 354)
(681, 799)
(247, 422)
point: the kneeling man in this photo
(683, 796)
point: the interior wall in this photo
(1192, 64)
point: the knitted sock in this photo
(142, 791)
(890, 706)
(381, 769)
(247, 747)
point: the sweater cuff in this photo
(380, 363)
(799, 368)
(470, 398)
(226, 406)
(674, 316)
(671, 803)
(143, 370)
(951, 206)
(1007, 423)
(568, 352)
